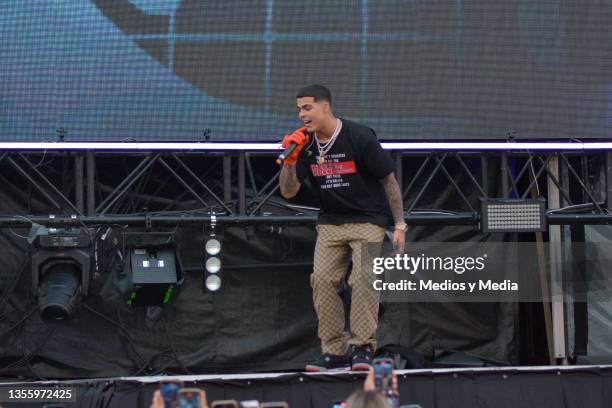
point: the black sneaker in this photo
(329, 362)
(361, 358)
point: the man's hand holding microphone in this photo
(293, 145)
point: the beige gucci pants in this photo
(334, 245)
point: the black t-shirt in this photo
(348, 182)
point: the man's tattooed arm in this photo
(289, 184)
(394, 195)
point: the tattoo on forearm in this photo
(394, 195)
(288, 180)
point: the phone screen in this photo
(169, 391)
(189, 400)
(383, 372)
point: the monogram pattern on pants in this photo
(335, 243)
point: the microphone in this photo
(290, 149)
(281, 157)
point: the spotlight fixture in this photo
(151, 269)
(213, 283)
(61, 264)
(213, 264)
(212, 257)
(213, 246)
(513, 215)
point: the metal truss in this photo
(145, 188)
(162, 188)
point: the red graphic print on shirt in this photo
(329, 169)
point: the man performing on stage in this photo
(353, 178)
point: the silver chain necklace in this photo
(325, 147)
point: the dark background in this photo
(169, 70)
(264, 318)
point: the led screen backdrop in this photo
(152, 70)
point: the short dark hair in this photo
(318, 92)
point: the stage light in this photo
(213, 264)
(213, 246)
(513, 215)
(151, 270)
(213, 283)
(152, 274)
(61, 263)
(273, 147)
(59, 291)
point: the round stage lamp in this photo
(213, 246)
(213, 283)
(213, 264)
(59, 292)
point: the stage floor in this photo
(547, 386)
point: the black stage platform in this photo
(541, 387)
